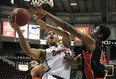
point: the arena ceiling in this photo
(104, 7)
(80, 7)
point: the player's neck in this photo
(53, 44)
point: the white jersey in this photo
(55, 62)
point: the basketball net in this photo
(38, 3)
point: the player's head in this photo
(52, 38)
(102, 32)
(33, 64)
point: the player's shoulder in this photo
(50, 48)
(62, 46)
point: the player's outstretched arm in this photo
(34, 53)
(86, 39)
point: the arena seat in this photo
(7, 71)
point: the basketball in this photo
(22, 15)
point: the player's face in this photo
(52, 38)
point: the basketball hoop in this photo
(38, 3)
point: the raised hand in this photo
(13, 23)
(67, 60)
(41, 12)
(40, 22)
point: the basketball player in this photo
(52, 59)
(32, 64)
(92, 51)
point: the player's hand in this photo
(67, 60)
(41, 12)
(13, 23)
(35, 12)
(40, 22)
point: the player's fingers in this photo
(40, 16)
(35, 16)
(40, 10)
(9, 19)
(15, 18)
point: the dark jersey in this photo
(93, 62)
(28, 74)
